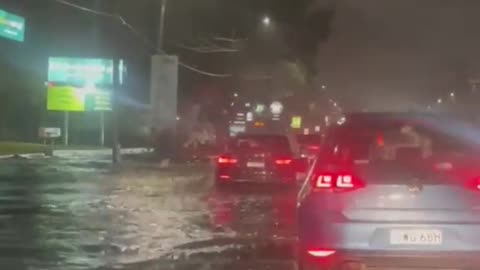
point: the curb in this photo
(27, 156)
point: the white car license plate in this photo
(255, 164)
(415, 237)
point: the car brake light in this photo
(314, 147)
(337, 181)
(321, 252)
(227, 160)
(474, 184)
(283, 161)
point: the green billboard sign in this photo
(80, 71)
(72, 99)
(12, 26)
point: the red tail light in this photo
(336, 181)
(283, 161)
(474, 184)
(227, 160)
(322, 253)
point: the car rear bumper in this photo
(368, 245)
(393, 260)
(361, 260)
(226, 176)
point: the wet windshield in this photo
(126, 126)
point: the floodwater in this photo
(79, 213)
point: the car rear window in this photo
(261, 142)
(392, 141)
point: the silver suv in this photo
(392, 191)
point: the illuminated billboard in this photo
(80, 71)
(12, 26)
(72, 99)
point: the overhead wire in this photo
(138, 34)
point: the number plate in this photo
(255, 164)
(416, 237)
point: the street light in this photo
(266, 20)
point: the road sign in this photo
(71, 99)
(64, 98)
(12, 26)
(296, 122)
(80, 71)
(49, 132)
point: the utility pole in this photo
(66, 127)
(115, 94)
(161, 26)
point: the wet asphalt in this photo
(79, 212)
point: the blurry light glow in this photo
(317, 128)
(324, 86)
(247, 105)
(178, 118)
(321, 252)
(296, 122)
(439, 101)
(276, 107)
(266, 21)
(235, 94)
(452, 94)
(260, 108)
(249, 116)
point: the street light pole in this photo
(161, 25)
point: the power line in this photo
(206, 49)
(204, 72)
(137, 33)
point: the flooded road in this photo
(80, 213)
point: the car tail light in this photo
(314, 147)
(227, 160)
(283, 161)
(321, 253)
(474, 184)
(336, 181)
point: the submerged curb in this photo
(27, 156)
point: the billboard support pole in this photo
(102, 129)
(65, 127)
(115, 93)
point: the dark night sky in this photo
(380, 54)
(395, 53)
